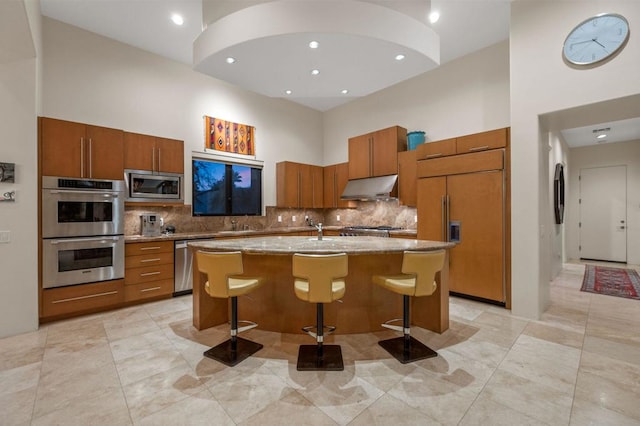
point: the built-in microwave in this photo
(144, 185)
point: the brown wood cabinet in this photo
(80, 299)
(482, 141)
(335, 179)
(149, 270)
(152, 153)
(81, 150)
(465, 199)
(299, 185)
(376, 153)
(407, 178)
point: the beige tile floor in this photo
(578, 365)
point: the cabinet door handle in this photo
(159, 159)
(72, 299)
(443, 218)
(157, 259)
(336, 197)
(81, 157)
(150, 248)
(439, 154)
(149, 289)
(479, 148)
(90, 159)
(147, 274)
(153, 159)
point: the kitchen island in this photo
(364, 307)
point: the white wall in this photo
(558, 154)
(541, 83)
(614, 154)
(468, 95)
(18, 108)
(96, 80)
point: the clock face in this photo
(596, 39)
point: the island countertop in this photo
(365, 306)
(310, 245)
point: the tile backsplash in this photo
(372, 213)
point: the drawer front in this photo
(148, 273)
(148, 290)
(82, 298)
(460, 164)
(436, 149)
(149, 259)
(482, 141)
(135, 249)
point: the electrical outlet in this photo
(306, 218)
(280, 218)
(338, 218)
(293, 218)
(5, 236)
(415, 218)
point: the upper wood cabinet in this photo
(407, 178)
(71, 149)
(299, 185)
(483, 141)
(152, 153)
(335, 179)
(376, 153)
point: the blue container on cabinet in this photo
(414, 139)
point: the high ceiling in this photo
(464, 26)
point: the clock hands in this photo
(601, 45)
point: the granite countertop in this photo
(298, 244)
(250, 232)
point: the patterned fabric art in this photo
(226, 136)
(611, 281)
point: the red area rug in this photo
(618, 282)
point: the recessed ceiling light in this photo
(434, 16)
(177, 19)
(314, 44)
(288, 92)
(315, 72)
(344, 91)
(230, 60)
(602, 136)
(399, 57)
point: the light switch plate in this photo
(279, 218)
(5, 236)
(293, 218)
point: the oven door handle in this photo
(105, 194)
(86, 240)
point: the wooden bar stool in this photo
(319, 279)
(417, 279)
(221, 267)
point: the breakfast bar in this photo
(364, 307)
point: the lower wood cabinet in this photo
(148, 271)
(80, 299)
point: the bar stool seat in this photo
(319, 279)
(222, 269)
(417, 279)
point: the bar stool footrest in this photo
(225, 354)
(310, 360)
(407, 350)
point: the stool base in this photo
(331, 360)
(225, 354)
(407, 350)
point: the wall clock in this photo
(596, 39)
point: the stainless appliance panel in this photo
(80, 207)
(68, 261)
(148, 186)
(183, 272)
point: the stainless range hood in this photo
(375, 188)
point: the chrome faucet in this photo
(319, 228)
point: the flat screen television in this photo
(222, 189)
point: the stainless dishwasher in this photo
(183, 273)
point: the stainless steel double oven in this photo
(82, 230)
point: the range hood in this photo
(375, 188)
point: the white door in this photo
(603, 213)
